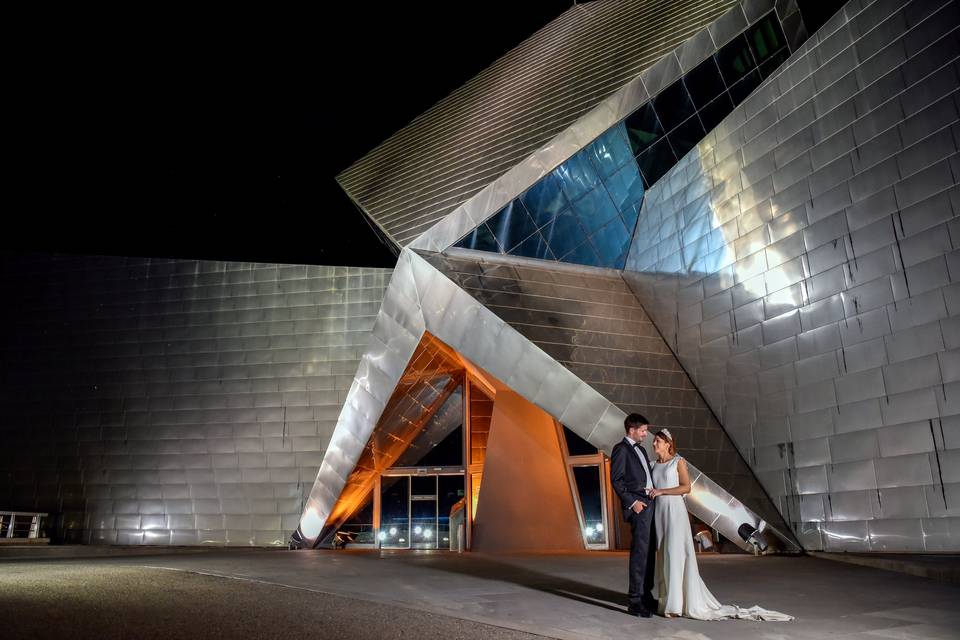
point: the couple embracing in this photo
(664, 577)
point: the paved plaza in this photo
(359, 594)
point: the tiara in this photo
(666, 432)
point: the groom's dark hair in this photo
(634, 420)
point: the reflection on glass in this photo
(534, 247)
(545, 199)
(643, 128)
(450, 491)
(395, 512)
(610, 151)
(591, 503)
(594, 210)
(765, 38)
(626, 188)
(423, 512)
(358, 529)
(563, 233)
(511, 225)
(480, 239)
(612, 243)
(577, 176)
(583, 254)
(735, 60)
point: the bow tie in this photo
(638, 445)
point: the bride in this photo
(681, 591)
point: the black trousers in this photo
(643, 555)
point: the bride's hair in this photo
(664, 435)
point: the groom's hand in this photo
(638, 506)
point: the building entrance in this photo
(419, 510)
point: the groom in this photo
(630, 477)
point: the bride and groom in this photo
(663, 565)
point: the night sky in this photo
(219, 136)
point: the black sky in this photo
(219, 136)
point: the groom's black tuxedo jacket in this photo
(628, 475)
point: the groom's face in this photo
(638, 434)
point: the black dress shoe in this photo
(640, 612)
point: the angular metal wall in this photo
(804, 263)
(164, 401)
(589, 321)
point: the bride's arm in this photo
(681, 489)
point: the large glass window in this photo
(395, 512)
(511, 225)
(643, 128)
(704, 83)
(571, 213)
(673, 105)
(735, 60)
(358, 529)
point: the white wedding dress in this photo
(678, 587)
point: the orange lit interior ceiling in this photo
(419, 404)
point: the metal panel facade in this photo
(155, 401)
(819, 318)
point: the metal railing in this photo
(21, 524)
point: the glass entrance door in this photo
(415, 509)
(395, 512)
(423, 512)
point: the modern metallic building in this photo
(735, 218)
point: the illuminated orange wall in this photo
(525, 503)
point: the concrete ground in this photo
(360, 594)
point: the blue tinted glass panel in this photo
(511, 225)
(704, 82)
(766, 38)
(545, 199)
(643, 128)
(611, 243)
(563, 233)
(594, 209)
(686, 136)
(673, 105)
(625, 186)
(611, 150)
(745, 87)
(534, 247)
(630, 215)
(577, 175)
(583, 254)
(656, 161)
(714, 113)
(480, 239)
(735, 60)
